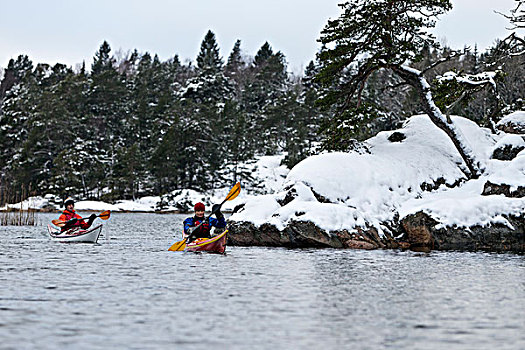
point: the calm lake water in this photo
(129, 292)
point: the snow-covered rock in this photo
(370, 188)
(513, 123)
(508, 147)
(342, 193)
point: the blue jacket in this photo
(205, 229)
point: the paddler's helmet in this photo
(68, 201)
(199, 207)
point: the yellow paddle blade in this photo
(234, 192)
(178, 246)
(58, 223)
(104, 215)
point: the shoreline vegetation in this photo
(16, 216)
(32, 210)
(58, 211)
(19, 218)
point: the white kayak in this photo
(75, 234)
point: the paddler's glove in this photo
(196, 230)
(192, 233)
(70, 223)
(217, 209)
(92, 218)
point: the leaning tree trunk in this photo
(416, 79)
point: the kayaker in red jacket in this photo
(72, 219)
(205, 229)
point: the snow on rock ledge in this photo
(513, 123)
(350, 197)
(508, 147)
(367, 189)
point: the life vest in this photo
(68, 215)
(204, 229)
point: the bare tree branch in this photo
(447, 58)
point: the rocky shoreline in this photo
(416, 232)
(478, 229)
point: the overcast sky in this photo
(71, 31)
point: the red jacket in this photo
(68, 215)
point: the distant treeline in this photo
(133, 125)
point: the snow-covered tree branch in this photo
(385, 34)
(453, 88)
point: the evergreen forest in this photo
(128, 125)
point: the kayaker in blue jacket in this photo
(204, 230)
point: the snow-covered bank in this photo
(417, 170)
(402, 181)
(267, 171)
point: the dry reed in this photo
(16, 216)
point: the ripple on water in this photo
(128, 291)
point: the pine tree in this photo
(263, 94)
(210, 85)
(385, 34)
(269, 79)
(102, 62)
(209, 61)
(15, 114)
(305, 122)
(75, 156)
(106, 101)
(17, 70)
(234, 145)
(236, 71)
(517, 15)
(263, 55)
(235, 62)
(45, 132)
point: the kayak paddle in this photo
(104, 216)
(234, 192)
